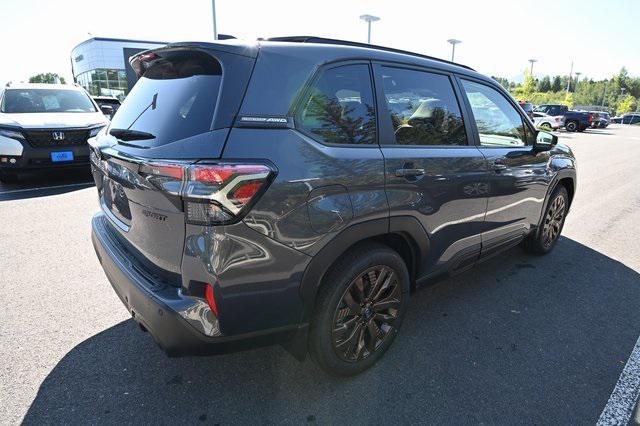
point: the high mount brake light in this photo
(212, 193)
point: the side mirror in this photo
(545, 141)
(107, 110)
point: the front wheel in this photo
(359, 309)
(546, 126)
(546, 236)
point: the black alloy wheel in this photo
(367, 313)
(359, 309)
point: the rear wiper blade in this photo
(130, 135)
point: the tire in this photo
(571, 126)
(546, 126)
(339, 340)
(9, 177)
(546, 236)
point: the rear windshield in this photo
(21, 101)
(174, 99)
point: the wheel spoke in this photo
(352, 304)
(385, 284)
(359, 285)
(377, 283)
(347, 344)
(340, 332)
(385, 318)
(373, 336)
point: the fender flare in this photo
(561, 174)
(406, 227)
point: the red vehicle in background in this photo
(527, 107)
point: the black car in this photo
(108, 104)
(297, 190)
(631, 118)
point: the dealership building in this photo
(101, 65)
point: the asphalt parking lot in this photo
(520, 339)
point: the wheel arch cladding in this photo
(569, 185)
(404, 235)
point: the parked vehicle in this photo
(574, 121)
(242, 208)
(45, 126)
(527, 107)
(602, 121)
(547, 122)
(108, 105)
(631, 118)
(552, 109)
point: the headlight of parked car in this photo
(94, 132)
(13, 134)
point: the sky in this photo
(498, 37)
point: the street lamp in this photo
(453, 43)
(213, 12)
(369, 19)
(575, 89)
(532, 61)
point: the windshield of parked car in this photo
(21, 101)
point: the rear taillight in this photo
(590, 118)
(213, 194)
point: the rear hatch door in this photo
(178, 113)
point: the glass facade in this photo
(105, 82)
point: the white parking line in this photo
(15, 191)
(619, 408)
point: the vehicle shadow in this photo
(46, 182)
(521, 339)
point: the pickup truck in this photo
(574, 121)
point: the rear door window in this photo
(174, 99)
(339, 108)
(423, 108)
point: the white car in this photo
(45, 126)
(548, 122)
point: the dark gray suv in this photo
(296, 190)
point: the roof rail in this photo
(322, 40)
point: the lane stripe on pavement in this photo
(42, 188)
(622, 401)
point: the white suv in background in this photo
(45, 126)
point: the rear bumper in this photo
(161, 309)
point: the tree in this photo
(529, 85)
(49, 78)
(544, 85)
(556, 86)
(628, 104)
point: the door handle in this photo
(409, 172)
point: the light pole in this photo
(213, 12)
(369, 19)
(575, 88)
(569, 80)
(453, 43)
(532, 61)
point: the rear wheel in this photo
(546, 236)
(359, 310)
(571, 126)
(546, 126)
